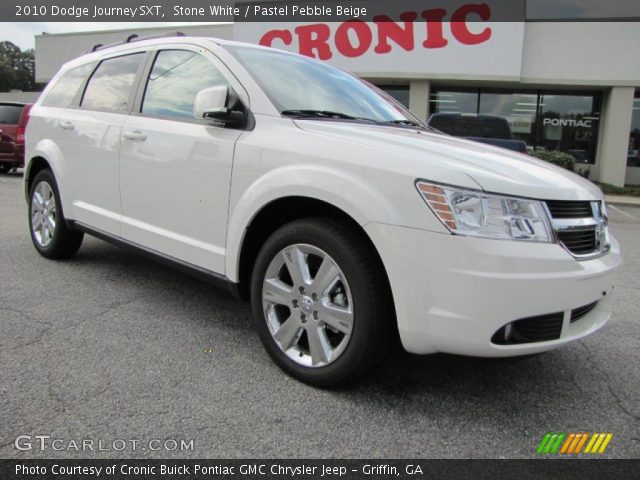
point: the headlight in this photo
(470, 212)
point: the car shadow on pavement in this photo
(409, 391)
(402, 373)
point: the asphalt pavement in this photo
(111, 346)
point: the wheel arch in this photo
(47, 155)
(35, 166)
(279, 212)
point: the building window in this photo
(633, 155)
(455, 101)
(545, 120)
(519, 109)
(400, 93)
(569, 123)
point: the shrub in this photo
(556, 157)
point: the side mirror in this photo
(221, 104)
(211, 102)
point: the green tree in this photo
(17, 68)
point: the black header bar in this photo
(203, 11)
(319, 469)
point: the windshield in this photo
(300, 86)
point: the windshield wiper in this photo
(409, 123)
(322, 114)
(331, 114)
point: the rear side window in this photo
(10, 114)
(65, 89)
(175, 80)
(110, 86)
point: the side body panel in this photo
(175, 189)
(90, 142)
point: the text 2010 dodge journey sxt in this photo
(341, 216)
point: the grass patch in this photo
(609, 189)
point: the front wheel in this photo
(321, 302)
(49, 232)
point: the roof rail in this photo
(134, 37)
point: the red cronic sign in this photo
(354, 38)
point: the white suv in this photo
(341, 216)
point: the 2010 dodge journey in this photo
(338, 213)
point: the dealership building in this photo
(568, 86)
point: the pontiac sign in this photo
(569, 122)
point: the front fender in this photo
(338, 188)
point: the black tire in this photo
(373, 315)
(64, 242)
(5, 168)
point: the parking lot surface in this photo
(109, 345)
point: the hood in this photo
(494, 169)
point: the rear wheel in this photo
(320, 301)
(49, 232)
(5, 167)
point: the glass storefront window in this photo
(570, 123)
(400, 93)
(633, 155)
(544, 120)
(454, 101)
(518, 108)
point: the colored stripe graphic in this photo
(565, 447)
(550, 443)
(573, 443)
(582, 442)
(606, 441)
(543, 443)
(557, 443)
(591, 443)
(598, 443)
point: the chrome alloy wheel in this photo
(307, 305)
(43, 214)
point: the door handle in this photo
(66, 125)
(136, 136)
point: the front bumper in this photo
(453, 293)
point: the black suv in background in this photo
(488, 129)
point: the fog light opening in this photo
(508, 332)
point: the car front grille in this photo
(569, 209)
(580, 226)
(579, 242)
(578, 313)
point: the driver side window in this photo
(175, 79)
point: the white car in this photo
(343, 218)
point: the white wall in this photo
(560, 53)
(613, 139)
(54, 50)
(582, 53)
(27, 97)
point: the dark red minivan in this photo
(13, 123)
